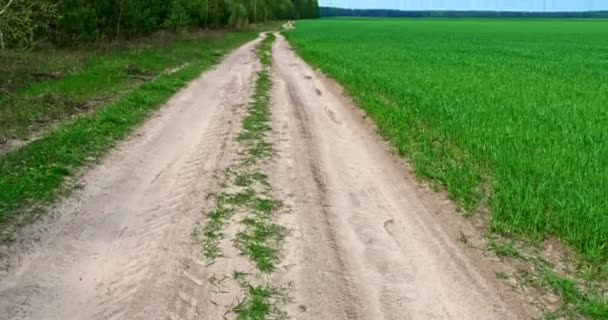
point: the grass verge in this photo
(35, 173)
(575, 302)
(550, 282)
(250, 196)
(42, 87)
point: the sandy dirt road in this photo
(121, 247)
(362, 243)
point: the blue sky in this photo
(502, 5)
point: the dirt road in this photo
(362, 243)
(119, 247)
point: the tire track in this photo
(121, 247)
(363, 245)
(195, 295)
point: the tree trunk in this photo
(6, 7)
(206, 13)
(122, 6)
(2, 34)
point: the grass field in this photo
(506, 114)
(41, 87)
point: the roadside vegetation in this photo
(76, 76)
(34, 173)
(27, 23)
(43, 88)
(58, 58)
(506, 115)
(247, 198)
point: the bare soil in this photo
(364, 244)
(366, 241)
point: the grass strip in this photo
(257, 305)
(35, 173)
(226, 205)
(260, 238)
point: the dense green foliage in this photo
(391, 13)
(35, 172)
(510, 114)
(26, 21)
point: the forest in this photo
(23, 23)
(390, 13)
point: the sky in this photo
(492, 5)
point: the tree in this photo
(2, 11)
(22, 22)
(177, 16)
(238, 15)
(316, 14)
(283, 9)
(300, 6)
(306, 9)
(310, 9)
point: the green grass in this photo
(503, 248)
(246, 179)
(250, 194)
(213, 231)
(260, 240)
(257, 304)
(511, 113)
(44, 86)
(35, 173)
(579, 287)
(261, 237)
(226, 205)
(255, 124)
(590, 303)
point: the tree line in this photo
(24, 22)
(390, 13)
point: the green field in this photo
(511, 115)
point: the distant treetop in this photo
(390, 13)
(24, 22)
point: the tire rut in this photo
(363, 245)
(349, 301)
(121, 248)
